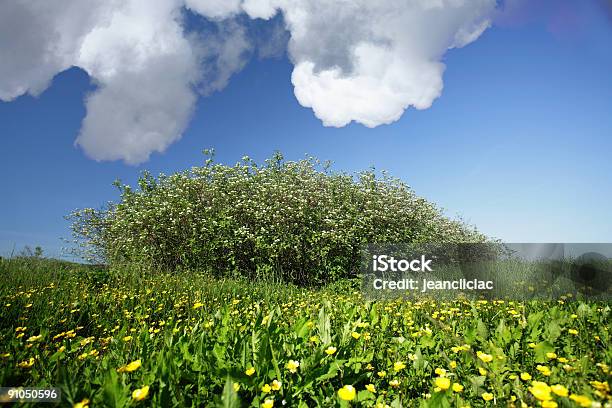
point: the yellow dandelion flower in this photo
(198, 305)
(551, 355)
(525, 376)
(382, 374)
(487, 358)
(266, 388)
(394, 383)
(540, 390)
(26, 363)
(276, 385)
(268, 403)
(347, 393)
(330, 350)
(371, 388)
(549, 404)
(487, 396)
(399, 365)
(581, 400)
(292, 366)
(86, 341)
(83, 404)
(140, 393)
(560, 390)
(355, 335)
(236, 387)
(250, 371)
(457, 387)
(34, 338)
(601, 386)
(133, 366)
(442, 383)
(544, 370)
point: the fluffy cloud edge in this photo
(353, 61)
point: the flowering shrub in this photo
(295, 220)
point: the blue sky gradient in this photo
(519, 143)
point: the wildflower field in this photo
(236, 287)
(191, 340)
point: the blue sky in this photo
(519, 142)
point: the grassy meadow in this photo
(185, 339)
(259, 304)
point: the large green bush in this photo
(297, 221)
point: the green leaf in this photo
(229, 398)
(365, 395)
(477, 383)
(438, 400)
(482, 330)
(332, 371)
(112, 391)
(324, 326)
(540, 351)
(553, 331)
(274, 359)
(502, 333)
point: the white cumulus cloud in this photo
(145, 68)
(354, 60)
(367, 61)
(38, 39)
(218, 9)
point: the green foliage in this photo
(296, 221)
(206, 342)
